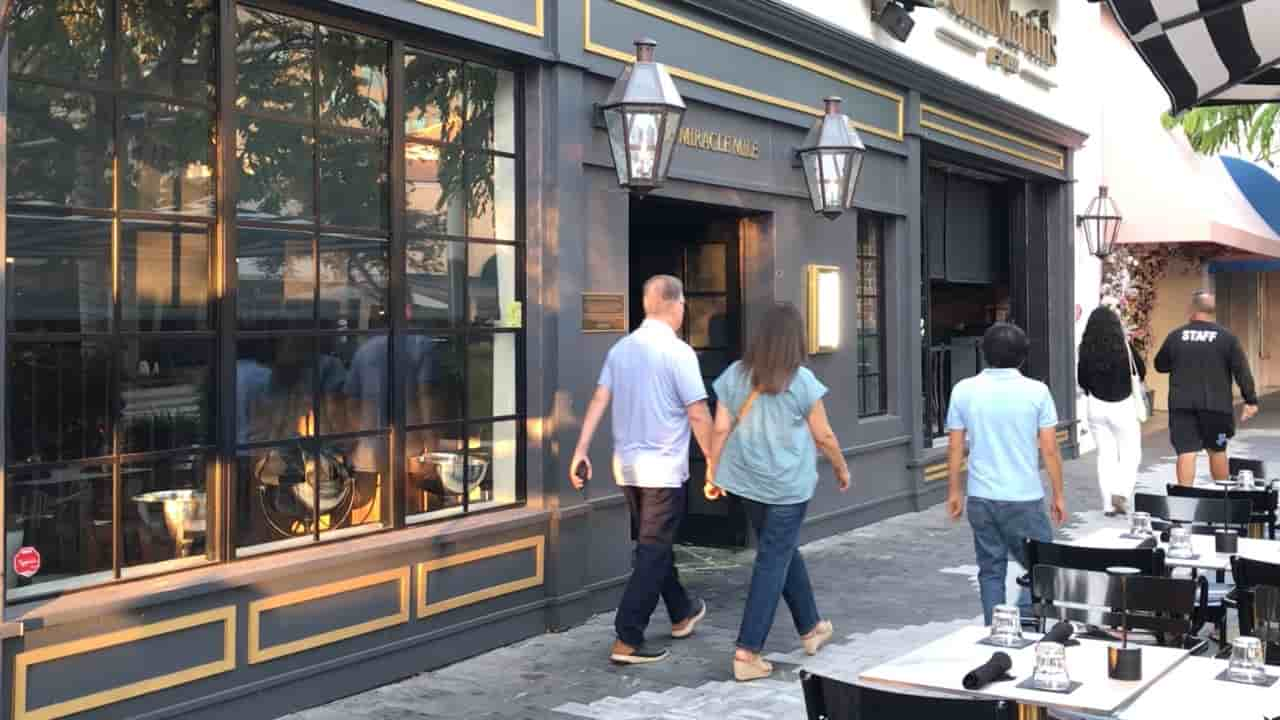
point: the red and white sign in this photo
(26, 562)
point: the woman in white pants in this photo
(1104, 375)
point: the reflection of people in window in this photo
(484, 294)
(252, 380)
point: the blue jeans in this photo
(999, 532)
(779, 571)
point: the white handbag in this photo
(1138, 390)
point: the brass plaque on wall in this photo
(604, 313)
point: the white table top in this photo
(1203, 545)
(941, 665)
(1190, 690)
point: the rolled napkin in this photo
(1061, 633)
(992, 670)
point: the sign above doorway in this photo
(712, 141)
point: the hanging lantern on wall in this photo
(1101, 223)
(643, 116)
(832, 160)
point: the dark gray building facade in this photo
(304, 302)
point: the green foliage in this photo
(1249, 129)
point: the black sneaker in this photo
(638, 656)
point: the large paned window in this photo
(111, 346)
(356, 311)
(462, 283)
(872, 391)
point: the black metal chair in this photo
(1264, 502)
(1204, 515)
(1148, 560)
(830, 699)
(1169, 609)
(1257, 598)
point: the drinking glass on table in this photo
(1140, 525)
(1180, 542)
(1246, 660)
(1051, 667)
(1006, 625)
(1244, 479)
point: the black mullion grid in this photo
(461, 145)
(463, 126)
(116, 88)
(116, 346)
(873, 224)
(223, 512)
(311, 443)
(293, 121)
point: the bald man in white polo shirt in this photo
(653, 378)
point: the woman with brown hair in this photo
(770, 425)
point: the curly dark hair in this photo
(1102, 348)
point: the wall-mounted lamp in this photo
(643, 115)
(1101, 223)
(824, 305)
(832, 160)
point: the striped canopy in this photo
(1207, 52)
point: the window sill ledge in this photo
(129, 596)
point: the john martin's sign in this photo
(720, 142)
(1028, 32)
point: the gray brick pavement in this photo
(887, 587)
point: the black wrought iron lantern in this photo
(1101, 223)
(643, 116)
(832, 160)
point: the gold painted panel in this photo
(537, 28)
(426, 608)
(25, 660)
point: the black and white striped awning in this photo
(1207, 52)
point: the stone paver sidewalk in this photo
(888, 587)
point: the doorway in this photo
(701, 245)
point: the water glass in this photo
(1051, 668)
(1006, 625)
(1244, 479)
(1140, 525)
(1246, 660)
(1180, 542)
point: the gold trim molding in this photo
(25, 660)
(427, 609)
(536, 29)
(605, 51)
(257, 654)
(1059, 161)
(938, 471)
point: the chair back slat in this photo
(1206, 512)
(1257, 467)
(1148, 560)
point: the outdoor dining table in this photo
(940, 666)
(1192, 690)
(1207, 556)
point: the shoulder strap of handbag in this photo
(746, 407)
(1128, 349)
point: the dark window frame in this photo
(881, 223)
(221, 223)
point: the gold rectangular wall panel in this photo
(258, 654)
(1056, 158)
(25, 660)
(426, 608)
(537, 28)
(605, 51)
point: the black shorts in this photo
(1195, 430)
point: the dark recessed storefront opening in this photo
(701, 245)
(978, 224)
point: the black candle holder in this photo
(1124, 662)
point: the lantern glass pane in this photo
(813, 178)
(1089, 234)
(834, 174)
(855, 169)
(669, 137)
(617, 144)
(642, 144)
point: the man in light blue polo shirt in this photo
(658, 396)
(1010, 423)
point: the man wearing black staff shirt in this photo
(1203, 358)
